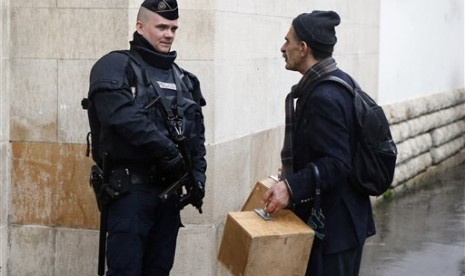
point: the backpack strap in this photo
(330, 78)
(341, 82)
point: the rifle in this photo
(194, 190)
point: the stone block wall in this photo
(429, 131)
(4, 131)
(48, 219)
(49, 216)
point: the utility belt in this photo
(135, 175)
(119, 181)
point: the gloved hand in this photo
(194, 195)
(172, 168)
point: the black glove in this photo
(172, 168)
(194, 195)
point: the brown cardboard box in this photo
(254, 199)
(253, 246)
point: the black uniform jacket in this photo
(131, 133)
(325, 135)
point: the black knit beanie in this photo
(317, 29)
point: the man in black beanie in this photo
(148, 134)
(320, 139)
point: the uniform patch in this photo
(167, 85)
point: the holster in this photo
(96, 181)
(118, 184)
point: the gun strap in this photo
(173, 119)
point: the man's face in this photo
(292, 51)
(158, 31)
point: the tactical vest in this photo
(141, 84)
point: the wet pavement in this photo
(421, 233)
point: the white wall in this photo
(421, 48)
(239, 62)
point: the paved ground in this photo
(422, 233)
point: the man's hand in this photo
(276, 197)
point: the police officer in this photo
(141, 102)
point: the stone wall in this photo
(48, 216)
(429, 132)
(4, 133)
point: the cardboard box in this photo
(254, 199)
(253, 246)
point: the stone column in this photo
(4, 133)
(52, 212)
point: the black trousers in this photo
(142, 233)
(345, 263)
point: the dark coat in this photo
(325, 135)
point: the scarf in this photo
(150, 55)
(310, 78)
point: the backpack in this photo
(374, 159)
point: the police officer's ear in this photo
(140, 27)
